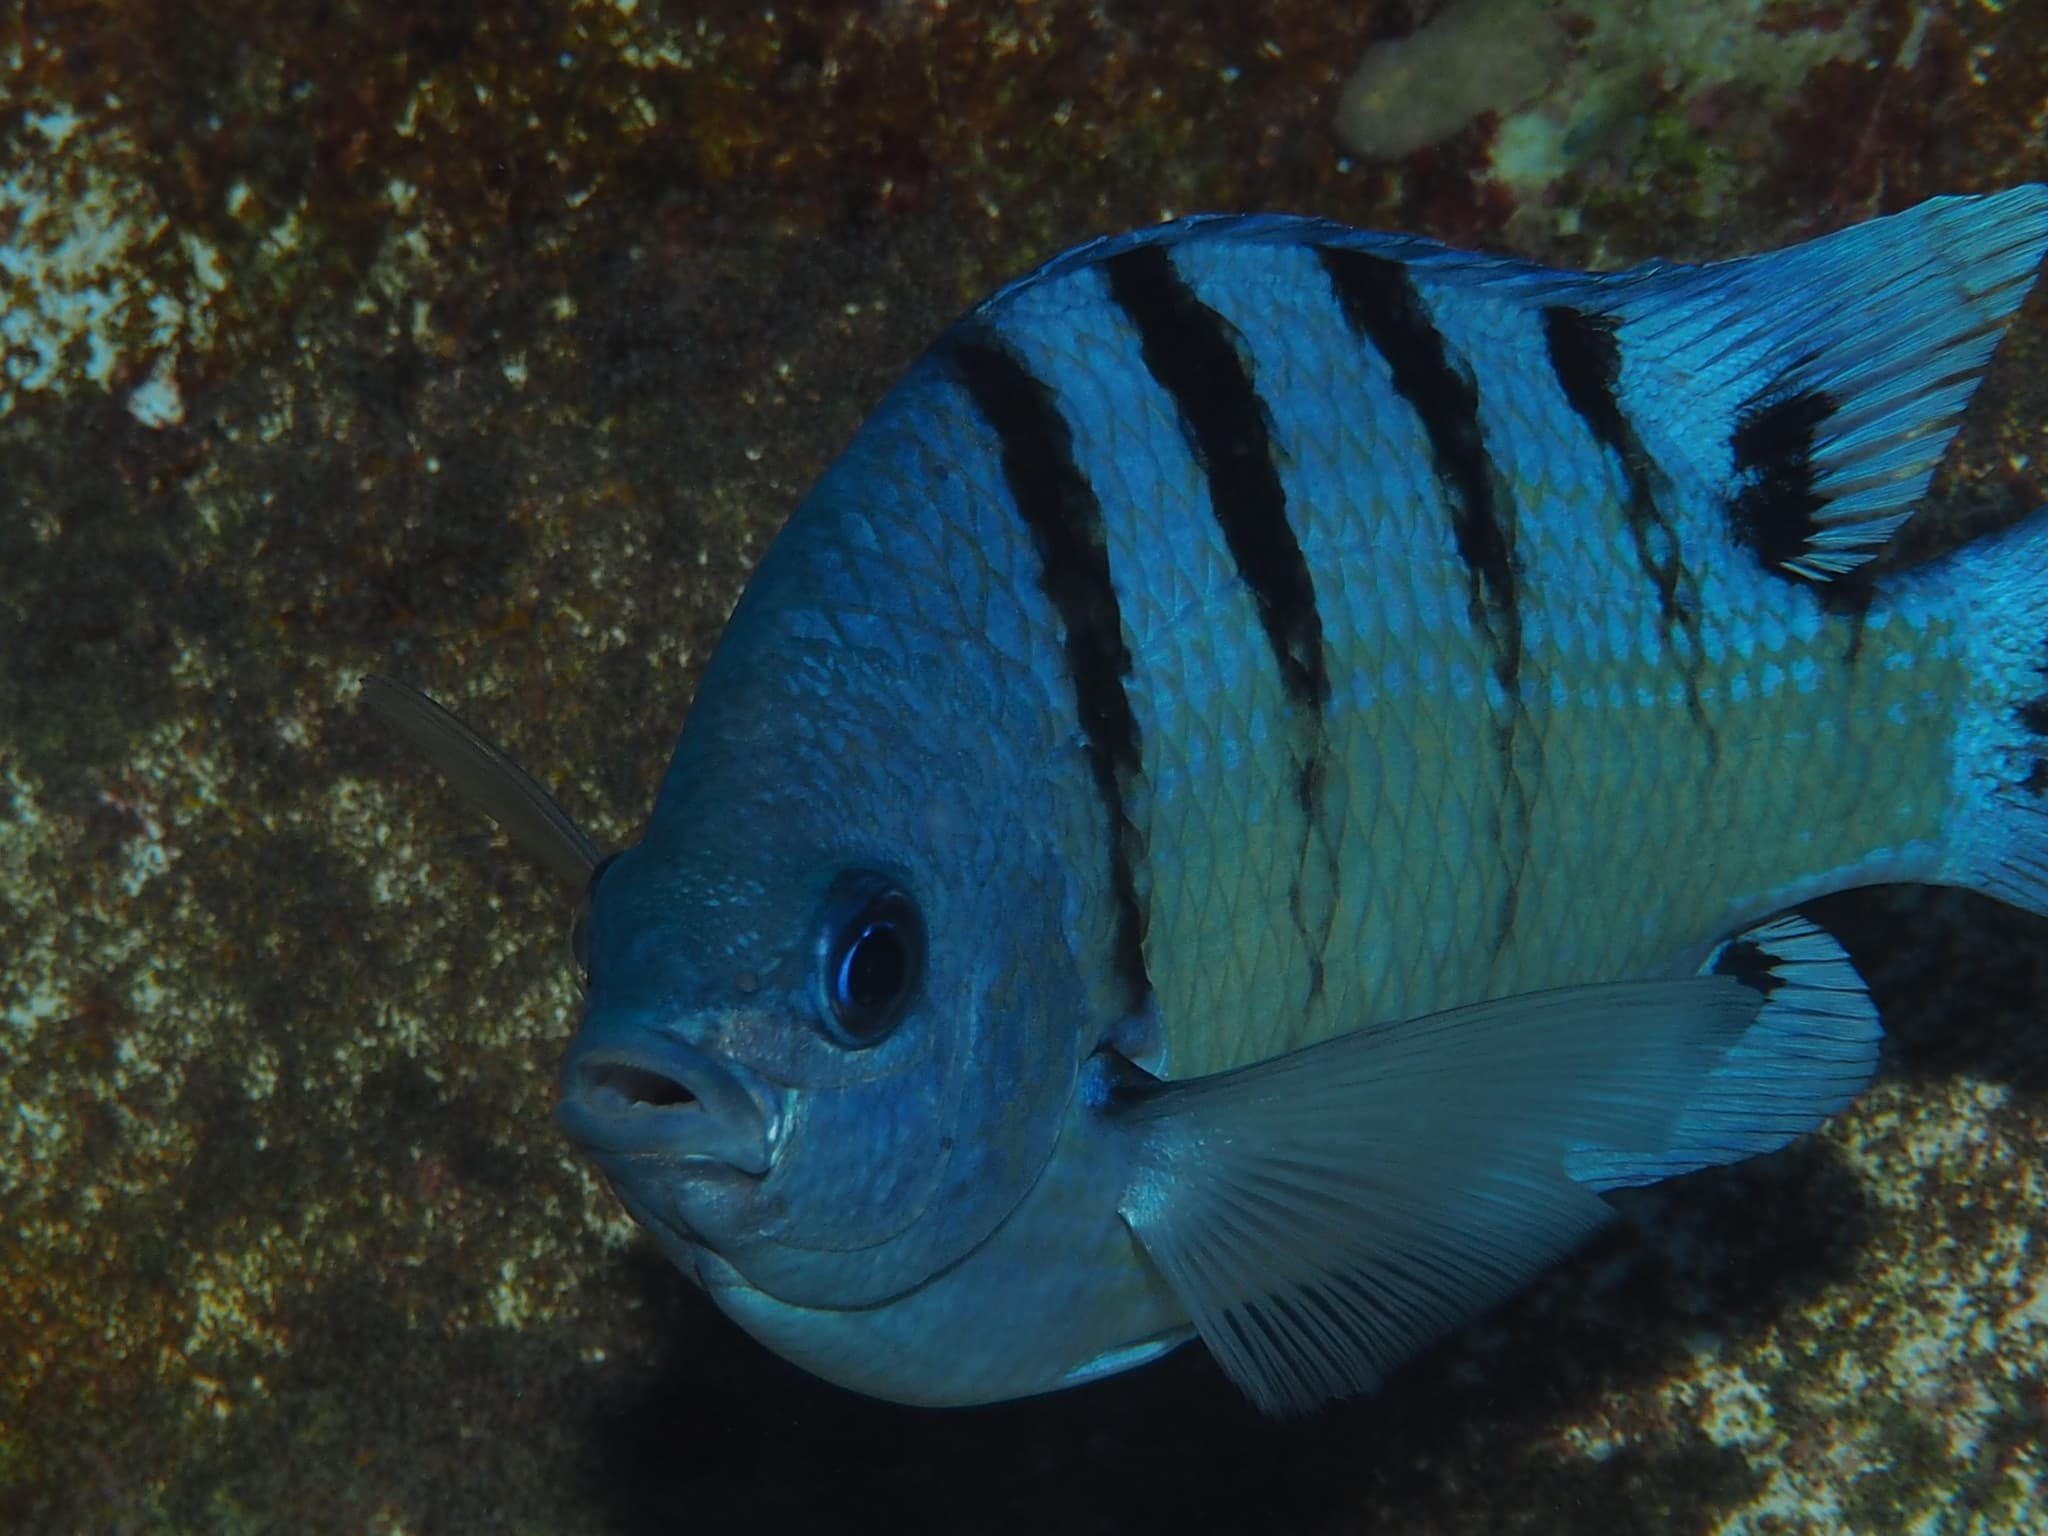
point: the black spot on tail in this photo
(1775, 513)
(1059, 506)
(2033, 718)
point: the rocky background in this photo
(488, 344)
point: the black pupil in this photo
(874, 964)
(874, 969)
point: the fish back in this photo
(1447, 640)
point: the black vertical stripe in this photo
(1585, 355)
(1191, 351)
(1382, 305)
(1385, 309)
(1059, 506)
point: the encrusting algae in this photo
(490, 346)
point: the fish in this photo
(1278, 771)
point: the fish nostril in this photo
(620, 1086)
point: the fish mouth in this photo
(653, 1097)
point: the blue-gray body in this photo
(1258, 785)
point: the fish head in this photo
(794, 1077)
(837, 1002)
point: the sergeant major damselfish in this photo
(1276, 771)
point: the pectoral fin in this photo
(1324, 1214)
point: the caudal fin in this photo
(1997, 837)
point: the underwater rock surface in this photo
(488, 345)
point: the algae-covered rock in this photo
(487, 346)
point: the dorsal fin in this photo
(1814, 389)
(1810, 391)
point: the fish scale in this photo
(1271, 777)
(1620, 740)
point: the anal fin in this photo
(1812, 1050)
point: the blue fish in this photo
(1275, 772)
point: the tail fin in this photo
(1997, 839)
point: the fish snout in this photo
(640, 1093)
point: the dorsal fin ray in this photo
(1814, 389)
(1810, 391)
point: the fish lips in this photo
(645, 1104)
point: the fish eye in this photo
(871, 956)
(579, 926)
